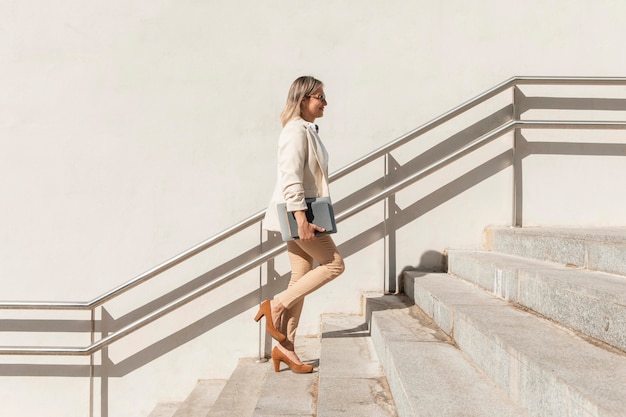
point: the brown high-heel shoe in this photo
(278, 357)
(266, 310)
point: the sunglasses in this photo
(320, 97)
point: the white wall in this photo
(133, 129)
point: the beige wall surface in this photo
(131, 130)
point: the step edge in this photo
(385, 345)
(458, 316)
(510, 278)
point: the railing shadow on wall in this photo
(395, 177)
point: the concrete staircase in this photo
(533, 326)
(542, 314)
(351, 381)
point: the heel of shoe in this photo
(259, 315)
(266, 310)
(262, 310)
(276, 364)
(276, 358)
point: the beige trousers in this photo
(305, 279)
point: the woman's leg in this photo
(322, 250)
(301, 264)
(304, 280)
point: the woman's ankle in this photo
(288, 345)
(289, 352)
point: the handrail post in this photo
(386, 275)
(517, 186)
(389, 235)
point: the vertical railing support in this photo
(386, 275)
(517, 154)
(391, 285)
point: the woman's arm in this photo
(292, 156)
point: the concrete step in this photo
(428, 375)
(201, 399)
(351, 379)
(255, 390)
(239, 396)
(544, 367)
(197, 404)
(599, 249)
(590, 302)
(285, 393)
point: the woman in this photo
(302, 173)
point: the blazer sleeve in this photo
(292, 156)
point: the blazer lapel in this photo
(321, 156)
(318, 149)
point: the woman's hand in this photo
(306, 230)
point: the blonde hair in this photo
(302, 87)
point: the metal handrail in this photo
(423, 129)
(264, 257)
(255, 218)
(149, 318)
(77, 305)
(469, 104)
(528, 80)
(483, 140)
(569, 124)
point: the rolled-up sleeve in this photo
(292, 156)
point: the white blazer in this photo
(302, 170)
